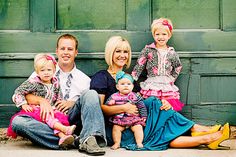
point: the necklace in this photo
(113, 73)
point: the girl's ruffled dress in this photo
(163, 68)
(125, 119)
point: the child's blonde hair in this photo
(111, 46)
(162, 23)
(41, 59)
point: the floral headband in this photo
(166, 23)
(122, 74)
(48, 57)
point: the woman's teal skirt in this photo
(161, 128)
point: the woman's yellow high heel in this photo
(225, 136)
(214, 129)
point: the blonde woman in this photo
(164, 127)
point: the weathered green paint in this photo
(94, 41)
(16, 68)
(228, 15)
(194, 89)
(14, 15)
(42, 15)
(186, 14)
(88, 15)
(210, 114)
(204, 36)
(218, 89)
(214, 66)
(8, 111)
(7, 88)
(138, 15)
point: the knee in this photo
(90, 94)
(90, 97)
(19, 122)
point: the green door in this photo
(204, 36)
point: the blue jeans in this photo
(86, 114)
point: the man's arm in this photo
(45, 107)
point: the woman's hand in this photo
(27, 108)
(165, 105)
(64, 106)
(130, 109)
(46, 110)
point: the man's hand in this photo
(64, 106)
(46, 110)
(165, 105)
(130, 109)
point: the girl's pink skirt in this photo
(171, 97)
(58, 116)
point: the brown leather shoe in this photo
(91, 147)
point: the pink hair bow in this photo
(166, 23)
(49, 57)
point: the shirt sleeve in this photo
(141, 107)
(140, 64)
(99, 83)
(25, 88)
(177, 66)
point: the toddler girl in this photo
(162, 64)
(122, 121)
(44, 84)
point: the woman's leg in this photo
(201, 128)
(138, 134)
(116, 135)
(188, 141)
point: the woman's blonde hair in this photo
(112, 44)
(162, 23)
(41, 59)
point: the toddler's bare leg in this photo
(60, 127)
(68, 130)
(116, 135)
(138, 134)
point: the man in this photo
(81, 104)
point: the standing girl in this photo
(47, 86)
(163, 66)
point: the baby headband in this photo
(48, 57)
(166, 23)
(122, 74)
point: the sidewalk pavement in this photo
(23, 148)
